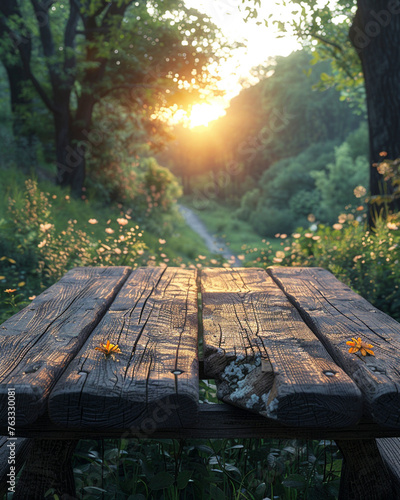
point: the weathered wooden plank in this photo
(265, 358)
(48, 467)
(215, 421)
(39, 341)
(364, 474)
(336, 314)
(389, 449)
(155, 377)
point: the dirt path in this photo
(214, 245)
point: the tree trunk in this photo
(70, 148)
(81, 140)
(18, 81)
(375, 34)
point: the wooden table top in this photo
(274, 341)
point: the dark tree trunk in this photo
(70, 150)
(81, 140)
(71, 133)
(18, 81)
(375, 34)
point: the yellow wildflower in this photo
(10, 290)
(108, 348)
(359, 345)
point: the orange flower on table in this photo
(359, 345)
(108, 348)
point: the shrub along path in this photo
(214, 245)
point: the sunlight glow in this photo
(259, 45)
(202, 114)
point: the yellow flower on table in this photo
(108, 348)
(359, 345)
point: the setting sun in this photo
(202, 114)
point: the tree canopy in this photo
(362, 39)
(75, 54)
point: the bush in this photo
(367, 261)
(144, 185)
(248, 204)
(270, 220)
(36, 251)
(336, 184)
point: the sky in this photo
(261, 44)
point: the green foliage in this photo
(277, 119)
(45, 232)
(36, 252)
(366, 261)
(320, 181)
(199, 469)
(148, 188)
(390, 170)
(324, 29)
(296, 115)
(160, 187)
(287, 192)
(268, 221)
(337, 183)
(139, 57)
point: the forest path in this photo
(214, 245)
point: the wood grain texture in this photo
(38, 342)
(336, 314)
(155, 377)
(389, 449)
(48, 466)
(265, 358)
(217, 421)
(364, 474)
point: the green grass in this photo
(182, 243)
